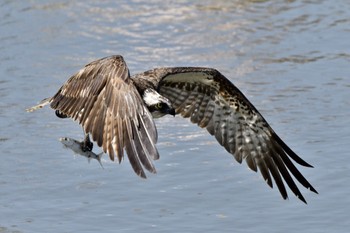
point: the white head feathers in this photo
(151, 97)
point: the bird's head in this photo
(158, 105)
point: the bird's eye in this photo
(159, 105)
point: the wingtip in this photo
(312, 189)
(153, 170)
(142, 174)
(307, 165)
(302, 199)
(290, 152)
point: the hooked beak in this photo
(171, 111)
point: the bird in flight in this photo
(117, 111)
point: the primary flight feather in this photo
(118, 110)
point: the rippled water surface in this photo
(290, 58)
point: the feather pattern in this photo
(104, 100)
(107, 103)
(211, 101)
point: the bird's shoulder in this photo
(181, 77)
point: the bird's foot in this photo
(87, 145)
(60, 114)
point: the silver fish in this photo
(76, 146)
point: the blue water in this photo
(290, 58)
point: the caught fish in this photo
(77, 146)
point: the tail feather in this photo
(41, 104)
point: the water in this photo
(290, 58)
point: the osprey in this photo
(117, 111)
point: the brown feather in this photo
(210, 100)
(104, 100)
(107, 103)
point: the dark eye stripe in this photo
(157, 107)
(162, 105)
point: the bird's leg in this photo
(87, 145)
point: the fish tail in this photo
(99, 159)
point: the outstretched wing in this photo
(210, 100)
(104, 100)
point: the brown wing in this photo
(210, 100)
(104, 100)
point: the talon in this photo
(87, 145)
(60, 114)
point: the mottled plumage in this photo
(109, 104)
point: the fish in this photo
(76, 146)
